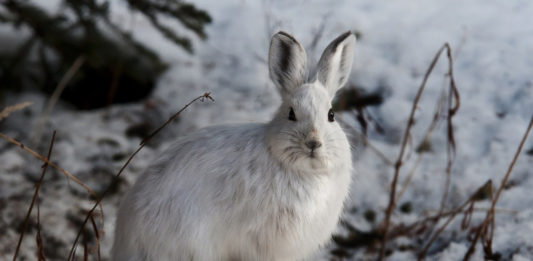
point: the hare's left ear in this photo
(334, 66)
(287, 63)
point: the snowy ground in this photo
(492, 43)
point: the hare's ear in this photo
(334, 66)
(287, 62)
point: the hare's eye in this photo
(292, 116)
(331, 115)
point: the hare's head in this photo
(304, 133)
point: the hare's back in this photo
(219, 147)
(206, 157)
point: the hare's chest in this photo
(304, 217)
(322, 208)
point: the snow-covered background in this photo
(492, 44)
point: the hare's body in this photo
(226, 212)
(263, 192)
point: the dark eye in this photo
(331, 115)
(292, 116)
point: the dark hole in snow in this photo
(406, 207)
(370, 215)
(139, 130)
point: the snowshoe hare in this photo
(271, 191)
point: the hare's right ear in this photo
(287, 62)
(335, 64)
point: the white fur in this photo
(245, 192)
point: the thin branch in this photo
(206, 95)
(452, 109)
(35, 197)
(407, 180)
(97, 235)
(367, 142)
(141, 145)
(399, 161)
(483, 209)
(64, 171)
(10, 109)
(45, 160)
(490, 213)
(41, 256)
(56, 94)
(511, 167)
(423, 146)
(452, 215)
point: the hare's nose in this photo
(313, 144)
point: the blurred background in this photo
(105, 74)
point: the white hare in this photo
(271, 191)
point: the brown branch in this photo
(41, 256)
(450, 145)
(56, 94)
(399, 161)
(403, 230)
(45, 160)
(423, 146)
(484, 209)
(367, 142)
(97, 235)
(451, 215)
(10, 109)
(141, 145)
(35, 197)
(206, 95)
(490, 213)
(407, 180)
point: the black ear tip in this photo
(285, 34)
(345, 35)
(340, 39)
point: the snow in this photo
(491, 41)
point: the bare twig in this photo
(377, 151)
(424, 145)
(35, 197)
(367, 142)
(85, 248)
(452, 109)
(409, 177)
(141, 145)
(10, 109)
(402, 230)
(97, 235)
(41, 256)
(206, 95)
(45, 160)
(489, 218)
(64, 171)
(56, 94)
(483, 209)
(410, 122)
(451, 215)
